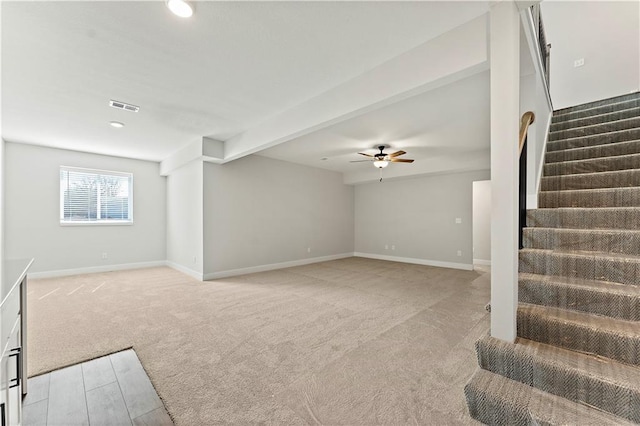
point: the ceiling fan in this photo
(382, 160)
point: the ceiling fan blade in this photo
(360, 161)
(397, 154)
(366, 155)
(401, 160)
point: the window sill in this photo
(100, 223)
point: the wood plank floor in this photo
(111, 390)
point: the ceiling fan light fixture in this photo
(381, 164)
(181, 8)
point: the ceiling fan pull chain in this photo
(380, 174)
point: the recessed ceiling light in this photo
(182, 8)
(116, 124)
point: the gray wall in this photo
(32, 212)
(185, 219)
(260, 211)
(482, 222)
(417, 216)
(607, 35)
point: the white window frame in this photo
(98, 221)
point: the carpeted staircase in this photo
(577, 356)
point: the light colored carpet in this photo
(352, 341)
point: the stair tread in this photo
(559, 117)
(626, 178)
(557, 370)
(613, 100)
(592, 148)
(584, 209)
(585, 217)
(583, 239)
(603, 115)
(599, 367)
(601, 231)
(600, 323)
(597, 159)
(596, 285)
(596, 135)
(608, 172)
(538, 406)
(621, 123)
(585, 253)
(603, 190)
(593, 165)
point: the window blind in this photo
(90, 196)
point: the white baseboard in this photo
(426, 262)
(195, 274)
(94, 269)
(483, 262)
(273, 266)
(242, 271)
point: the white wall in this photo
(185, 219)
(260, 211)
(32, 214)
(482, 222)
(537, 151)
(417, 216)
(2, 168)
(607, 35)
(528, 103)
(534, 96)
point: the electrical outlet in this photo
(386, 246)
(195, 259)
(458, 220)
(578, 63)
(459, 252)
(104, 255)
(393, 247)
(308, 249)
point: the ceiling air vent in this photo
(123, 105)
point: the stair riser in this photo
(609, 101)
(562, 239)
(585, 218)
(579, 337)
(594, 165)
(599, 151)
(491, 410)
(605, 109)
(630, 123)
(595, 140)
(559, 295)
(623, 179)
(616, 197)
(616, 270)
(496, 400)
(595, 119)
(557, 379)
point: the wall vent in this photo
(123, 105)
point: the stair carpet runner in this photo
(577, 356)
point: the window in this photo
(95, 197)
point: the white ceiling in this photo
(436, 127)
(231, 66)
